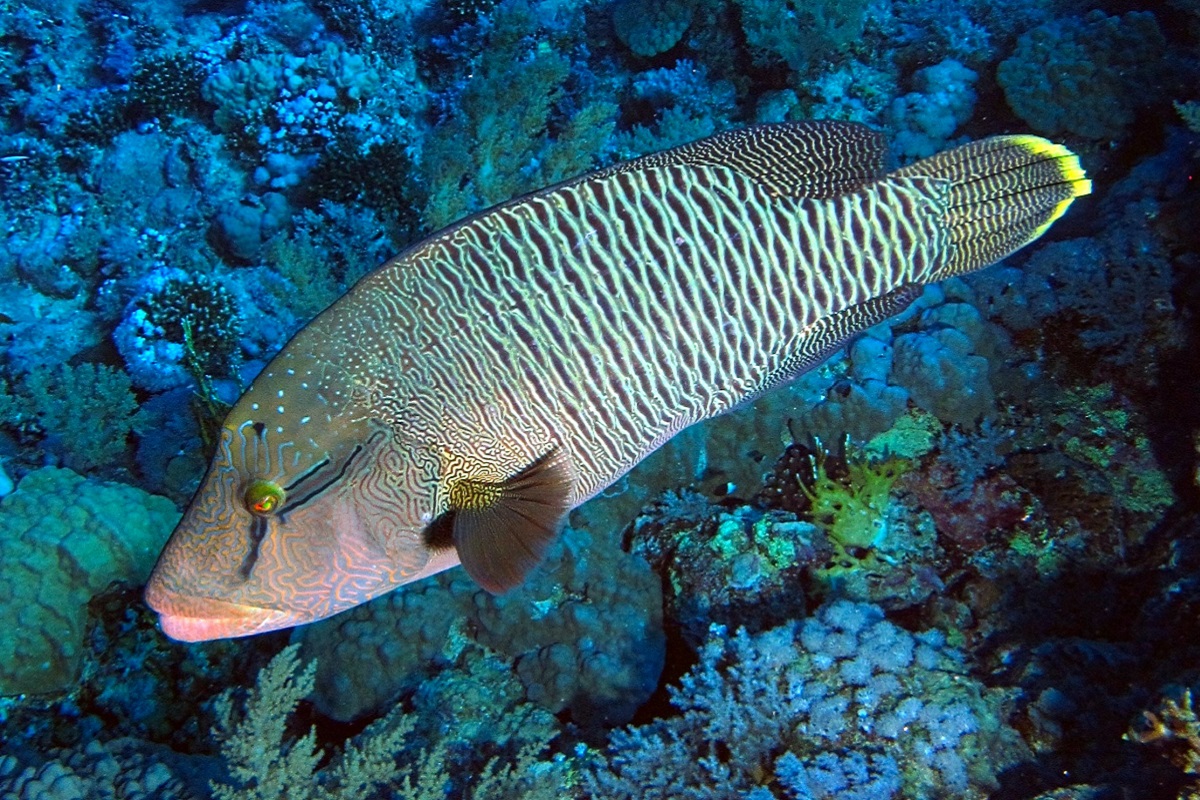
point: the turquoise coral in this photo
(64, 539)
(82, 414)
(650, 28)
(801, 34)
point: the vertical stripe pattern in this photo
(607, 314)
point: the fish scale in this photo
(458, 401)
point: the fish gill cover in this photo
(956, 559)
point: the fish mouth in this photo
(199, 619)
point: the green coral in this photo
(1096, 432)
(326, 251)
(851, 501)
(801, 34)
(508, 134)
(853, 509)
(87, 410)
(266, 764)
(64, 539)
(308, 285)
(913, 435)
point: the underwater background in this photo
(961, 559)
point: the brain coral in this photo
(63, 539)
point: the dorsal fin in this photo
(818, 159)
(501, 530)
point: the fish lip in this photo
(199, 619)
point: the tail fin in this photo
(1005, 192)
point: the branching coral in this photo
(801, 34)
(507, 133)
(81, 413)
(265, 765)
(844, 705)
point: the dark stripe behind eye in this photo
(313, 471)
(341, 474)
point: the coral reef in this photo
(180, 326)
(112, 771)
(651, 28)
(956, 559)
(1084, 75)
(266, 763)
(926, 119)
(83, 415)
(801, 34)
(498, 140)
(844, 704)
(63, 540)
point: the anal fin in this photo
(501, 530)
(831, 332)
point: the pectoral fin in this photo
(501, 530)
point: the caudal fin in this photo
(1005, 192)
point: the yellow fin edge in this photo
(1072, 171)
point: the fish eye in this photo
(264, 498)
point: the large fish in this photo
(459, 400)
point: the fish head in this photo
(309, 507)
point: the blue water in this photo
(958, 559)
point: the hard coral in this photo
(115, 770)
(650, 28)
(379, 176)
(64, 539)
(926, 119)
(1084, 75)
(285, 103)
(165, 85)
(152, 337)
(724, 566)
(584, 634)
(845, 705)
